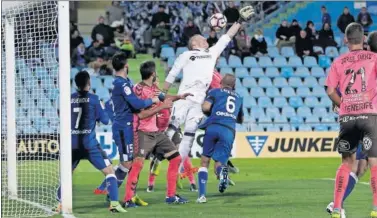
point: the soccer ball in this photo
(217, 21)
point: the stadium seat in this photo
(31, 82)
(304, 111)
(320, 128)
(296, 121)
(272, 72)
(221, 63)
(295, 102)
(310, 61)
(325, 101)
(74, 71)
(332, 52)
(20, 63)
(240, 128)
(320, 110)
(264, 82)
(310, 81)
(287, 72)
(242, 91)
(249, 102)
(238, 83)
(287, 51)
(319, 91)
(255, 128)
(256, 72)
(318, 49)
(280, 82)
(324, 61)
(225, 70)
(52, 94)
(318, 72)
(338, 40)
(334, 127)
(273, 128)
(257, 112)
(87, 41)
(328, 119)
(39, 122)
(103, 93)
(288, 111)
(295, 82)
(41, 72)
(250, 62)
(321, 81)
(305, 128)
(249, 82)
(264, 102)
(96, 82)
(343, 50)
(280, 102)
(280, 62)
(180, 50)
(273, 52)
(241, 72)
(256, 92)
(314, 119)
(171, 62)
(272, 92)
(108, 82)
(273, 112)
(280, 119)
(268, 41)
(265, 62)
(29, 130)
(303, 92)
(264, 120)
(302, 72)
(248, 118)
(311, 101)
(235, 61)
(48, 83)
(23, 72)
(167, 52)
(287, 92)
(295, 62)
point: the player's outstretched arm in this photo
(135, 102)
(245, 14)
(179, 63)
(152, 111)
(101, 113)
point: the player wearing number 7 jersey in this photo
(356, 75)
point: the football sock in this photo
(352, 180)
(373, 184)
(121, 173)
(171, 176)
(112, 187)
(137, 166)
(186, 143)
(202, 180)
(341, 181)
(151, 179)
(188, 166)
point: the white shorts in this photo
(188, 113)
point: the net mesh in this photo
(37, 120)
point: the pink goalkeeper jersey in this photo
(149, 124)
(355, 73)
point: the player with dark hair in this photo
(148, 139)
(224, 107)
(355, 73)
(372, 41)
(86, 110)
(125, 104)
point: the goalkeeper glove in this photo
(246, 13)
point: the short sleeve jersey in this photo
(354, 74)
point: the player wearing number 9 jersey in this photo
(224, 107)
(356, 75)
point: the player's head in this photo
(228, 81)
(354, 34)
(148, 71)
(372, 41)
(119, 63)
(82, 80)
(197, 41)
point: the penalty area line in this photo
(332, 179)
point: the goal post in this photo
(35, 108)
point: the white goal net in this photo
(31, 177)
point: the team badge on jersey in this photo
(127, 90)
(257, 143)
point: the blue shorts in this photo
(218, 143)
(124, 139)
(96, 156)
(360, 155)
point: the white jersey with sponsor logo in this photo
(197, 66)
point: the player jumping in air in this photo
(125, 104)
(356, 75)
(361, 164)
(147, 138)
(197, 66)
(224, 107)
(86, 110)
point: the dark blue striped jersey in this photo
(226, 108)
(125, 103)
(86, 110)
(109, 108)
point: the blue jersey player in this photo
(86, 110)
(125, 104)
(224, 107)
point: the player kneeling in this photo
(147, 138)
(86, 110)
(224, 107)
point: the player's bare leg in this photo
(203, 178)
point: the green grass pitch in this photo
(284, 188)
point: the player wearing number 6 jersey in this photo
(224, 107)
(356, 75)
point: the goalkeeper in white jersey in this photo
(197, 66)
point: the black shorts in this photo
(354, 128)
